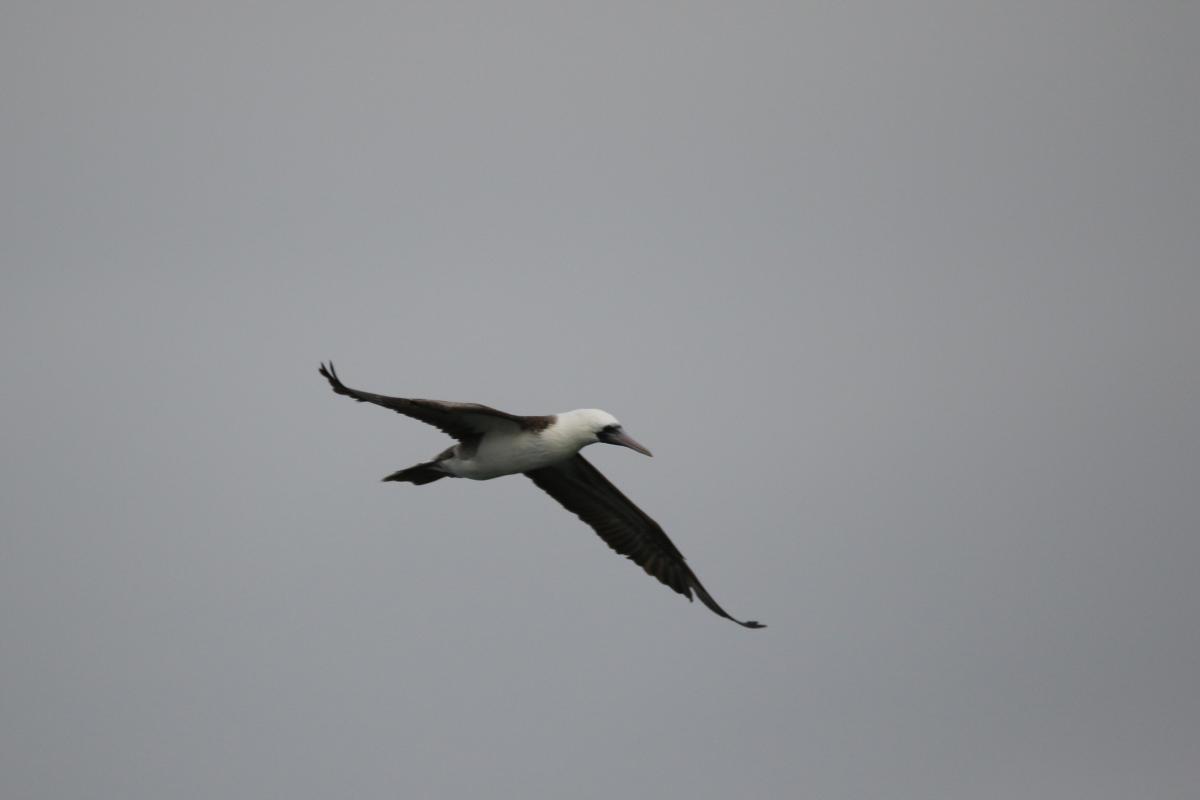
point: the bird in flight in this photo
(493, 443)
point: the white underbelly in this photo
(499, 455)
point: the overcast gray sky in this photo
(903, 296)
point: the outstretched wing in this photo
(581, 489)
(463, 421)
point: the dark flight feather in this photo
(584, 491)
(463, 421)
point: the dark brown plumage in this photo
(463, 421)
(584, 491)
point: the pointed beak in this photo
(625, 440)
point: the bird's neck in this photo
(571, 431)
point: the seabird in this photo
(546, 449)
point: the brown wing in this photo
(463, 421)
(581, 489)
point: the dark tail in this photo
(420, 475)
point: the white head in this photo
(586, 426)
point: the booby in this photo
(545, 449)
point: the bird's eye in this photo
(610, 428)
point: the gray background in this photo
(903, 296)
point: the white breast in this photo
(507, 454)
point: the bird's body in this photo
(507, 451)
(494, 443)
(499, 454)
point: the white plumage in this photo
(508, 452)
